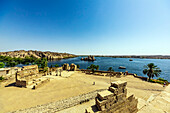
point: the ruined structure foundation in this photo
(115, 100)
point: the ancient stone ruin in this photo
(72, 67)
(115, 100)
(66, 67)
(56, 71)
(29, 77)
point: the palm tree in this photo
(151, 70)
(93, 67)
(111, 70)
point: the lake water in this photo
(135, 66)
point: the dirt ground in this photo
(13, 98)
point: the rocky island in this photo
(38, 54)
(89, 58)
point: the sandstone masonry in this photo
(114, 100)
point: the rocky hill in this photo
(38, 54)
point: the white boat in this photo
(121, 67)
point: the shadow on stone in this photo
(94, 108)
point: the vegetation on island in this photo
(11, 62)
(93, 67)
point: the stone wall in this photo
(56, 71)
(61, 104)
(29, 76)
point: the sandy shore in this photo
(13, 98)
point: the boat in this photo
(121, 67)
(130, 60)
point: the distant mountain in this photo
(38, 54)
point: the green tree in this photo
(2, 65)
(111, 70)
(56, 65)
(93, 67)
(1, 78)
(151, 70)
(78, 66)
(11, 64)
(44, 63)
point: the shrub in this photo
(1, 78)
(161, 79)
(160, 82)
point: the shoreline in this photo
(133, 56)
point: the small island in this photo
(89, 58)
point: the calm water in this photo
(135, 66)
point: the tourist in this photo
(164, 84)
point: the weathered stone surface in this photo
(29, 77)
(73, 67)
(104, 95)
(117, 102)
(119, 84)
(66, 66)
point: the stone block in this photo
(120, 90)
(125, 91)
(119, 84)
(100, 102)
(113, 90)
(104, 95)
(130, 98)
(121, 97)
(101, 108)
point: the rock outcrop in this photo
(89, 58)
(38, 54)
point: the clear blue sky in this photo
(100, 27)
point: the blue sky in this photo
(99, 27)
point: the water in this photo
(135, 66)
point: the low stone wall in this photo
(140, 77)
(21, 83)
(40, 83)
(61, 104)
